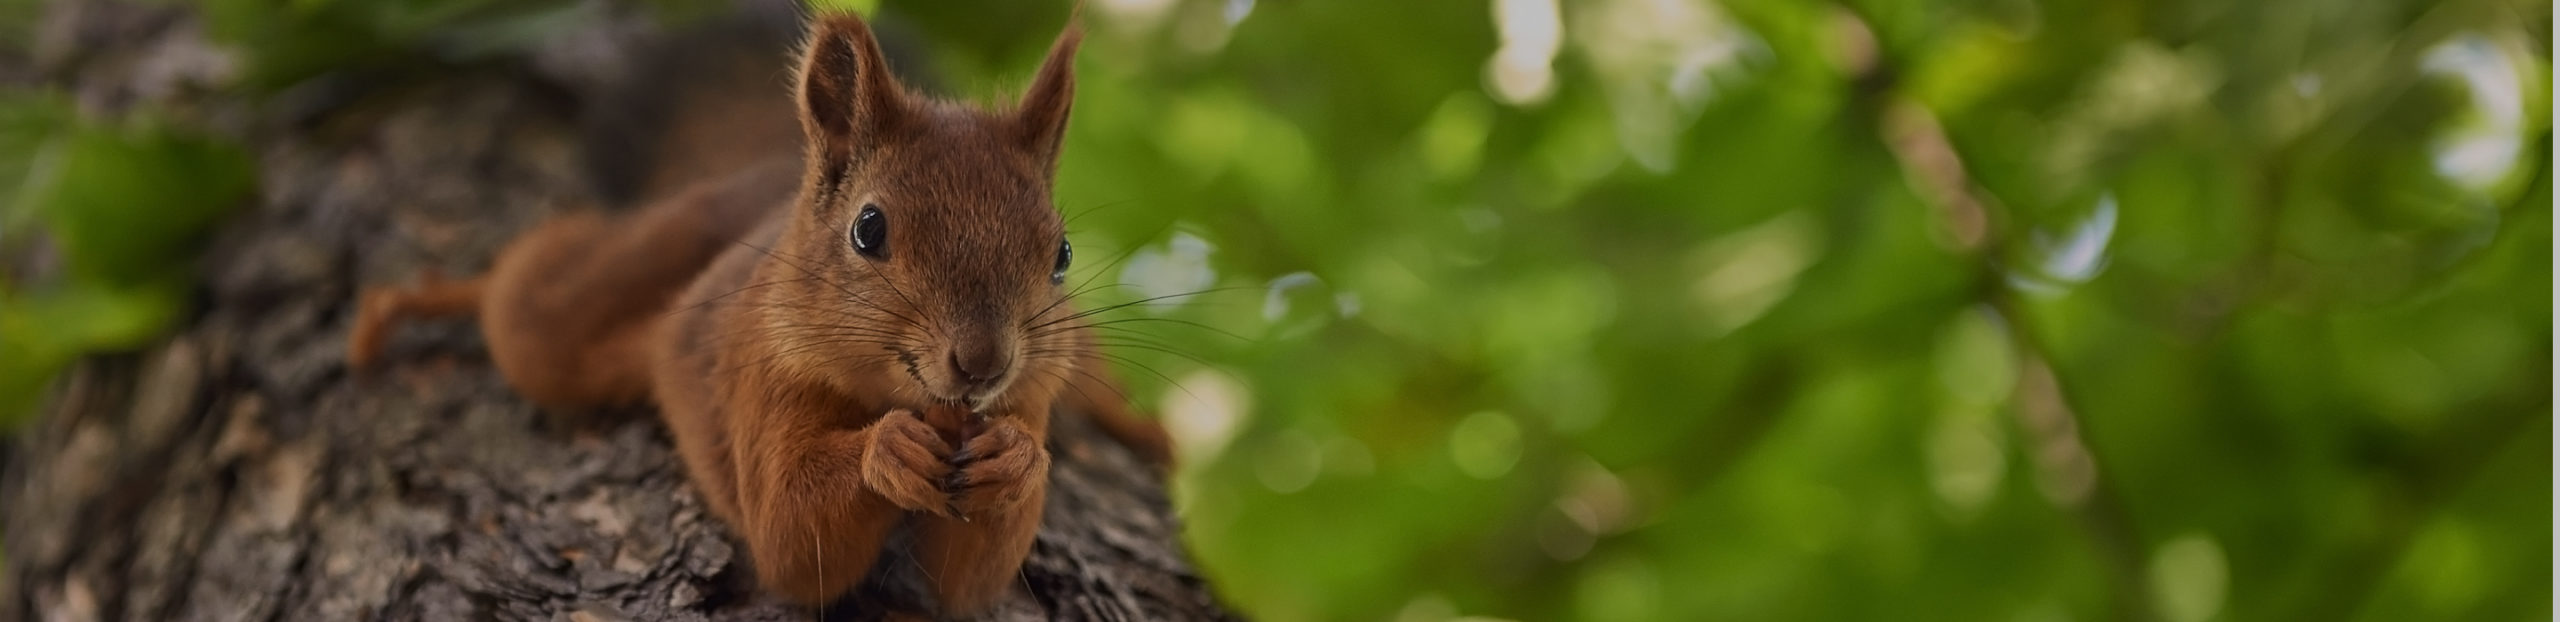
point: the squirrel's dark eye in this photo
(871, 233)
(1066, 255)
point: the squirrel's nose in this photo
(978, 366)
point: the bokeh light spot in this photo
(1289, 461)
(1522, 71)
(1169, 272)
(1202, 412)
(1744, 273)
(1485, 445)
(2189, 578)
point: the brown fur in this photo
(814, 392)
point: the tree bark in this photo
(241, 471)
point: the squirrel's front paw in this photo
(999, 469)
(906, 463)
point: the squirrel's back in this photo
(573, 303)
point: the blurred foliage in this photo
(1767, 309)
(119, 206)
(1770, 309)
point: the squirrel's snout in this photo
(979, 367)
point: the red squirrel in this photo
(866, 337)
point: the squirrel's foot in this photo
(906, 462)
(999, 469)
(372, 323)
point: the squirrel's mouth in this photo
(951, 384)
(977, 398)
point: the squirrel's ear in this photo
(846, 93)
(1041, 121)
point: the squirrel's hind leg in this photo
(381, 310)
(1092, 392)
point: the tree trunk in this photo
(241, 471)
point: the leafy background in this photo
(1676, 309)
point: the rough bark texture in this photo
(241, 471)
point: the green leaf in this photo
(125, 204)
(41, 334)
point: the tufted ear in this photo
(847, 97)
(1040, 122)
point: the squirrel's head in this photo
(925, 227)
